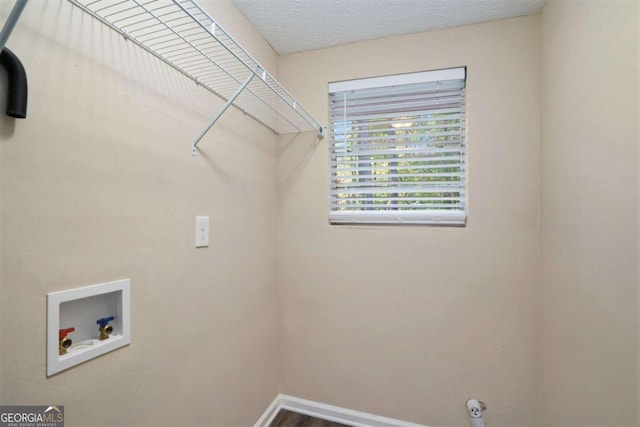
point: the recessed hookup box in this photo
(84, 323)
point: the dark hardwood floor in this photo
(292, 419)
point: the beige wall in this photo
(534, 314)
(409, 322)
(97, 184)
(589, 240)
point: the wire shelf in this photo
(183, 35)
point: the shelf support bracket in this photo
(221, 112)
(11, 22)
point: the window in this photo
(397, 149)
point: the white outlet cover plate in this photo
(120, 289)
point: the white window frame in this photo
(429, 102)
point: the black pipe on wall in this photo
(17, 93)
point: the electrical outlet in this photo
(202, 231)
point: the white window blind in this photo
(398, 149)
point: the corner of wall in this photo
(590, 260)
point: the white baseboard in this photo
(327, 412)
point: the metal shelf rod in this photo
(221, 112)
(11, 22)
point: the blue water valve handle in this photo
(104, 321)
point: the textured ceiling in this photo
(298, 25)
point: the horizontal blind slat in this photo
(443, 201)
(343, 150)
(440, 114)
(406, 139)
(415, 118)
(394, 189)
(399, 186)
(384, 171)
(417, 157)
(401, 105)
(379, 198)
(352, 99)
(384, 176)
(403, 130)
(443, 153)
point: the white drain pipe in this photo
(475, 408)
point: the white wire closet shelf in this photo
(183, 35)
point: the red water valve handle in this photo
(63, 332)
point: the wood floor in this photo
(292, 419)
